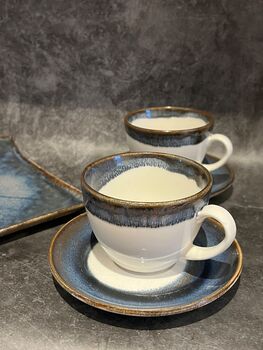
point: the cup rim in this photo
(139, 204)
(208, 126)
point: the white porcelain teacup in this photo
(146, 209)
(181, 131)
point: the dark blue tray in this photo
(30, 195)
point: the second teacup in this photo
(181, 131)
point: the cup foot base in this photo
(145, 266)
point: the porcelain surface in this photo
(75, 254)
(147, 236)
(192, 142)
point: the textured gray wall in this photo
(70, 70)
(111, 53)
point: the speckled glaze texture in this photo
(123, 214)
(103, 172)
(200, 282)
(28, 196)
(166, 139)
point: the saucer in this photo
(84, 270)
(222, 177)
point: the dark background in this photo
(67, 65)
(69, 71)
(127, 54)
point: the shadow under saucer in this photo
(148, 323)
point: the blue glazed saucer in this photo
(81, 267)
(223, 177)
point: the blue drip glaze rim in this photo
(148, 205)
(207, 127)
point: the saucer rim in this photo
(151, 312)
(231, 176)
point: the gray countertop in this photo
(37, 314)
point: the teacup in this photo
(176, 130)
(167, 203)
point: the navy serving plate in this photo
(30, 195)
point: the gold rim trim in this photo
(132, 204)
(208, 126)
(143, 312)
(45, 217)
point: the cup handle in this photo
(226, 220)
(228, 151)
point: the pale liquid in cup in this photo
(150, 184)
(171, 123)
